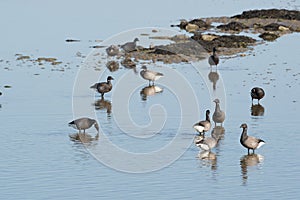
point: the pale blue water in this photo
(39, 161)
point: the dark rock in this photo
(234, 26)
(72, 40)
(227, 41)
(183, 48)
(200, 23)
(269, 36)
(112, 50)
(271, 27)
(270, 13)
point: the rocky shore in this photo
(229, 34)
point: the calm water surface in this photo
(39, 161)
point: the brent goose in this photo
(250, 142)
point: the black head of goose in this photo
(130, 46)
(257, 93)
(150, 75)
(83, 124)
(103, 87)
(250, 142)
(203, 126)
(219, 115)
(214, 58)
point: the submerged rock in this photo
(269, 36)
(22, 57)
(72, 40)
(112, 66)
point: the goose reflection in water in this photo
(249, 160)
(213, 77)
(102, 104)
(208, 158)
(83, 137)
(218, 132)
(150, 91)
(257, 110)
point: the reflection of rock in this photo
(103, 104)
(249, 160)
(83, 137)
(257, 110)
(112, 66)
(129, 64)
(213, 77)
(218, 132)
(150, 91)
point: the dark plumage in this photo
(214, 58)
(103, 87)
(203, 126)
(257, 93)
(84, 123)
(130, 46)
(250, 142)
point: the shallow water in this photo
(38, 160)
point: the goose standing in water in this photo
(214, 58)
(219, 115)
(130, 46)
(150, 75)
(84, 123)
(103, 87)
(203, 126)
(205, 143)
(250, 142)
(257, 93)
